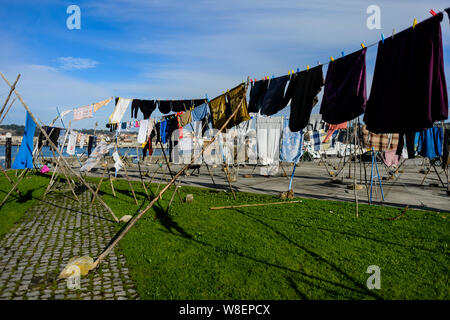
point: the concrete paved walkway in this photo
(313, 181)
(34, 253)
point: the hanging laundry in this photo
(180, 105)
(316, 140)
(218, 109)
(430, 142)
(143, 129)
(274, 100)
(257, 93)
(83, 113)
(292, 144)
(315, 122)
(180, 127)
(82, 140)
(147, 148)
(95, 157)
(303, 90)
(198, 102)
(167, 127)
(121, 106)
(101, 104)
(164, 106)
(268, 131)
(332, 128)
(235, 97)
(71, 144)
(409, 90)
(344, 96)
(118, 164)
(379, 142)
(200, 112)
(162, 131)
(185, 118)
(92, 143)
(24, 158)
(146, 106)
(52, 132)
(410, 142)
(324, 145)
(445, 149)
(390, 158)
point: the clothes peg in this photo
(289, 72)
(318, 62)
(331, 58)
(393, 33)
(432, 12)
(343, 53)
(273, 76)
(307, 68)
(362, 45)
(382, 38)
(414, 23)
(293, 71)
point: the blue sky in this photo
(174, 49)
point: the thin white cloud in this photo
(71, 63)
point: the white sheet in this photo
(268, 133)
(143, 129)
(119, 110)
(72, 143)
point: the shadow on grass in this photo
(269, 264)
(313, 254)
(355, 235)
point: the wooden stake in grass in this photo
(254, 205)
(136, 218)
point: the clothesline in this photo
(297, 86)
(343, 54)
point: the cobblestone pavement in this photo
(54, 230)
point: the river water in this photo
(47, 152)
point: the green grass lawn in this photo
(311, 250)
(31, 188)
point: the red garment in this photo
(180, 128)
(332, 128)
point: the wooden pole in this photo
(19, 179)
(11, 89)
(354, 170)
(110, 181)
(57, 162)
(57, 150)
(136, 218)
(100, 183)
(142, 179)
(254, 205)
(7, 110)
